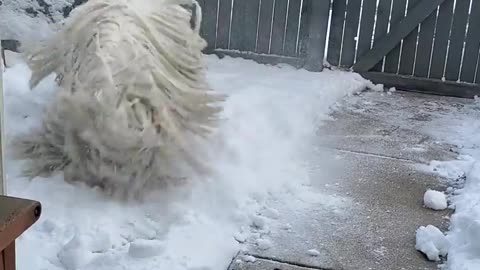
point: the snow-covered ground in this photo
(462, 129)
(271, 115)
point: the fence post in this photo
(317, 12)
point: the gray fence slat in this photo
(457, 37)
(424, 49)
(265, 26)
(409, 47)
(243, 36)
(472, 45)
(392, 59)
(366, 28)
(350, 33)
(336, 31)
(477, 77)
(318, 18)
(209, 22)
(303, 37)
(440, 45)
(381, 27)
(223, 27)
(290, 46)
(385, 45)
(278, 29)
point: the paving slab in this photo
(368, 157)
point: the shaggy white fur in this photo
(133, 100)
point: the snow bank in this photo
(271, 115)
(435, 200)
(432, 242)
(464, 176)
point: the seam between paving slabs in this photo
(371, 154)
(292, 263)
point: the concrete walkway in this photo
(368, 153)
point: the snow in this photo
(463, 175)
(435, 200)
(264, 244)
(432, 242)
(313, 252)
(271, 116)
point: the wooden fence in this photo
(419, 45)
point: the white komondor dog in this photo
(133, 100)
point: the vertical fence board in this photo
(304, 29)
(398, 13)
(472, 45)
(243, 35)
(424, 50)
(223, 27)
(366, 27)
(209, 22)
(477, 76)
(441, 39)
(265, 26)
(407, 60)
(278, 29)
(381, 27)
(290, 46)
(457, 37)
(336, 31)
(350, 33)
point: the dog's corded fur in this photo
(133, 97)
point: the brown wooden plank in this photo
(386, 44)
(457, 38)
(424, 50)
(409, 47)
(472, 45)
(265, 26)
(442, 32)
(350, 33)
(223, 26)
(9, 262)
(278, 28)
(392, 59)
(336, 32)
(424, 85)
(16, 216)
(291, 36)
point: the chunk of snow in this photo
(435, 200)
(74, 255)
(264, 244)
(313, 252)
(248, 258)
(431, 242)
(145, 248)
(258, 221)
(271, 213)
(240, 237)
